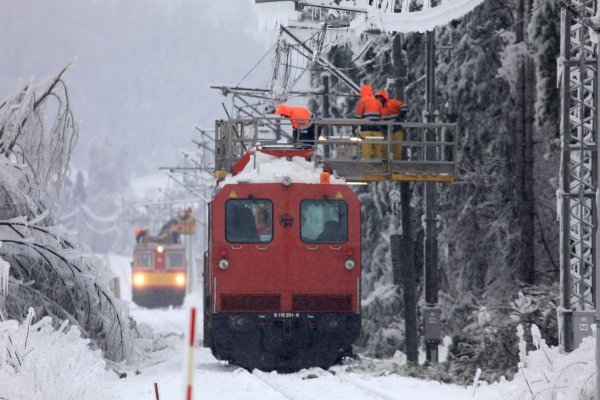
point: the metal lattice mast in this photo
(578, 172)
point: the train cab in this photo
(158, 274)
(282, 276)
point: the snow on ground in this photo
(218, 380)
(58, 364)
(121, 268)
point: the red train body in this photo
(282, 274)
(158, 274)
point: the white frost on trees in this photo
(4, 270)
(58, 363)
(38, 128)
(49, 271)
(384, 15)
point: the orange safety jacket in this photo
(368, 107)
(392, 108)
(299, 116)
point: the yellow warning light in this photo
(138, 279)
(232, 195)
(339, 195)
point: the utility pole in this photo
(578, 183)
(403, 253)
(325, 78)
(579, 170)
(431, 311)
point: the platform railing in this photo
(343, 144)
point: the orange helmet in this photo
(383, 93)
(299, 115)
(284, 109)
(366, 90)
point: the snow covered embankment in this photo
(40, 362)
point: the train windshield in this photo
(249, 221)
(324, 221)
(175, 260)
(144, 259)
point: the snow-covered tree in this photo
(49, 271)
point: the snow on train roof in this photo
(270, 169)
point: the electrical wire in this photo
(496, 36)
(256, 65)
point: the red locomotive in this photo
(158, 271)
(282, 273)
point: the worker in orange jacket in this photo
(395, 111)
(141, 234)
(370, 109)
(300, 119)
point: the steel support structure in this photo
(578, 71)
(430, 240)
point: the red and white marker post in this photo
(190, 355)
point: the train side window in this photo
(144, 259)
(324, 221)
(249, 221)
(175, 260)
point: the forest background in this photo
(497, 224)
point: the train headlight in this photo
(160, 249)
(223, 264)
(349, 264)
(180, 279)
(138, 279)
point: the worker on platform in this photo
(141, 234)
(368, 108)
(174, 233)
(187, 213)
(165, 233)
(304, 131)
(395, 111)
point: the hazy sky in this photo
(142, 67)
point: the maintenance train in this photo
(158, 269)
(282, 271)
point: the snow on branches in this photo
(52, 274)
(49, 271)
(37, 127)
(49, 357)
(4, 270)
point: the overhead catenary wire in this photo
(292, 68)
(495, 36)
(257, 63)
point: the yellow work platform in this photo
(407, 151)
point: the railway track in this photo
(264, 377)
(326, 389)
(375, 394)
